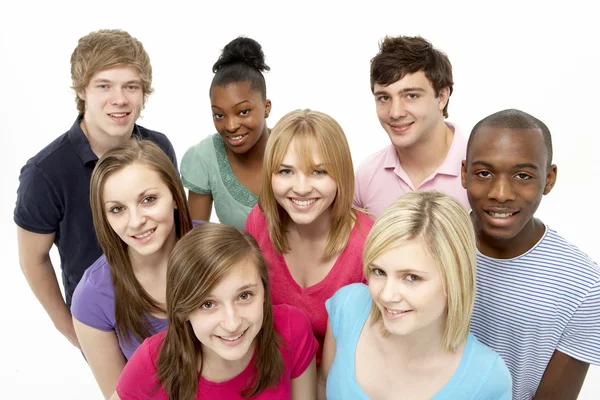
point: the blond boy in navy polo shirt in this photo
(112, 78)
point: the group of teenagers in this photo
(422, 275)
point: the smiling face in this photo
(227, 322)
(140, 208)
(409, 110)
(239, 114)
(113, 99)
(407, 288)
(506, 175)
(305, 193)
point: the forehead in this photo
(506, 146)
(416, 80)
(233, 93)
(410, 255)
(130, 181)
(243, 273)
(303, 151)
(117, 74)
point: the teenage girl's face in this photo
(231, 316)
(240, 115)
(407, 287)
(306, 196)
(140, 208)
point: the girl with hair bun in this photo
(225, 168)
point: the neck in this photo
(155, 262)
(427, 154)
(317, 231)
(98, 143)
(215, 368)
(513, 247)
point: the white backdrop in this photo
(537, 57)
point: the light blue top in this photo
(205, 169)
(481, 374)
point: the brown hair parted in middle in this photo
(403, 55)
(197, 264)
(311, 131)
(132, 302)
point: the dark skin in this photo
(506, 175)
(237, 110)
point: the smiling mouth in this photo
(119, 115)
(237, 138)
(396, 312)
(233, 338)
(145, 234)
(500, 215)
(303, 203)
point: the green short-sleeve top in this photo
(205, 169)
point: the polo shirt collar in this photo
(82, 145)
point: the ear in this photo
(463, 174)
(550, 178)
(81, 95)
(443, 97)
(267, 108)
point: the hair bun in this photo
(245, 50)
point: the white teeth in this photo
(236, 137)
(500, 215)
(118, 115)
(304, 203)
(143, 235)
(233, 339)
(391, 311)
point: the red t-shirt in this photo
(299, 346)
(347, 269)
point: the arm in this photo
(326, 361)
(303, 387)
(103, 354)
(200, 206)
(115, 396)
(562, 379)
(34, 258)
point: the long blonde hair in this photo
(132, 302)
(197, 264)
(311, 131)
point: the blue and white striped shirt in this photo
(529, 306)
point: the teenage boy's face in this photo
(113, 99)
(408, 109)
(506, 175)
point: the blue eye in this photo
(377, 272)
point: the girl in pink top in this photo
(224, 338)
(307, 229)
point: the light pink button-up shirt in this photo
(380, 179)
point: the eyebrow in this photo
(102, 80)
(145, 192)
(410, 270)
(235, 105)
(516, 166)
(292, 167)
(405, 90)
(241, 289)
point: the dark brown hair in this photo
(132, 302)
(197, 264)
(403, 55)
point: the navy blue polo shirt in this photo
(54, 197)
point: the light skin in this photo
(239, 115)
(140, 209)
(412, 115)
(108, 91)
(306, 194)
(506, 175)
(407, 288)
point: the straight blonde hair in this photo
(312, 132)
(444, 227)
(132, 302)
(197, 264)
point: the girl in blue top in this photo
(406, 334)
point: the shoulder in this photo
(256, 221)
(373, 163)
(138, 378)
(200, 152)
(286, 318)
(495, 378)
(93, 299)
(159, 138)
(556, 247)
(51, 155)
(364, 223)
(348, 296)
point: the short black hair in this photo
(242, 60)
(514, 119)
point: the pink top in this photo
(380, 178)
(299, 346)
(347, 269)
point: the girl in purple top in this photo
(139, 210)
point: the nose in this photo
(501, 189)
(231, 320)
(391, 292)
(232, 124)
(302, 185)
(136, 218)
(397, 109)
(118, 97)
